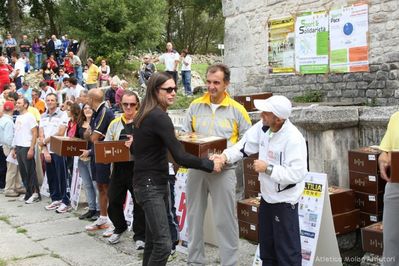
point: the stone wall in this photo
(246, 53)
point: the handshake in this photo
(219, 160)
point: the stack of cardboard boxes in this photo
(248, 208)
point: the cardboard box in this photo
(342, 199)
(248, 231)
(394, 167)
(111, 151)
(368, 218)
(200, 145)
(346, 222)
(372, 240)
(248, 210)
(371, 203)
(247, 100)
(251, 183)
(66, 146)
(364, 160)
(366, 183)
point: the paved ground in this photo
(30, 235)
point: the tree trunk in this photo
(49, 7)
(14, 18)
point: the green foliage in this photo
(114, 28)
(5, 219)
(21, 230)
(309, 97)
(182, 102)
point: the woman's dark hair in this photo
(82, 117)
(75, 111)
(150, 100)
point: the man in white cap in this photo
(282, 166)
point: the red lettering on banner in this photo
(182, 209)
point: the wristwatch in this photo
(269, 169)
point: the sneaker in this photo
(20, 190)
(98, 225)
(87, 215)
(63, 208)
(115, 238)
(172, 255)
(34, 198)
(11, 193)
(140, 245)
(53, 205)
(95, 216)
(22, 198)
(109, 232)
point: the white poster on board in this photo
(76, 184)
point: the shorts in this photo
(101, 172)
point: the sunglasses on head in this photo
(129, 104)
(170, 89)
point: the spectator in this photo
(54, 123)
(171, 60)
(111, 93)
(37, 50)
(215, 112)
(89, 184)
(24, 47)
(146, 70)
(26, 91)
(24, 151)
(99, 123)
(19, 70)
(186, 71)
(38, 103)
(77, 66)
(104, 73)
(13, 185)
(121, 128)
(10, 45)
(5, 71)
(93, 73)
(45, 90)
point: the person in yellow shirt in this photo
(390, 218)
(93, 73)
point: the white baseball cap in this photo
(279, 105)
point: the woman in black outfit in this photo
(154, 135)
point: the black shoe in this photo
(95, 216)
(87, 215)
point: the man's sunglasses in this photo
(129, 104)
(170, 89)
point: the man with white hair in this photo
(282, 167)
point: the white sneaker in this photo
(63, 208)
(53, 205)
(140, 245)
(99, 224)
(109, 232)
(34, 198)
(21, 198)
(115, 238)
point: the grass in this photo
(55, 255)
(21, 230)
(3, 262)
(5, 219)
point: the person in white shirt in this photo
(282, 167)
(171, 60)
(19, 70)
(45, 90)
(72, 89)
(186, 71)
(23, 144)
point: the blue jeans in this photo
(154, 199)
(89, 185)
(79, 74)
(38, 61)
(186, 80)
(57, 178)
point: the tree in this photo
(114, 28)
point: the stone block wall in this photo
(246, 37)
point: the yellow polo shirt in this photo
(391, 138)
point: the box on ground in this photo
(251, 183)
(371, 203)
(366, 183)
(111, 151)
(66, 146)
(248, 231)
(364, 160)
(369, 218)
(346, 222)
(248, 210)
(341, 199)
(372, 238)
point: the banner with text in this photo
(311, 43)
(349, 39)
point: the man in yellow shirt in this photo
(93, 73)
(389, 143)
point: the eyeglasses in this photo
(129, 104)
(170, 89)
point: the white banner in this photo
(76, 184)
(128, 210)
